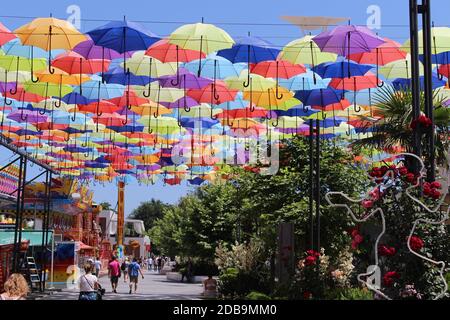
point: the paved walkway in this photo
(152, 287)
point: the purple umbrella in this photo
(27, 116)
(185, 102)
(187, 80)
(7, 86)
(89, 50)
(347, 40)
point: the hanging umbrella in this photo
(250, 50)
(214, 66)
(385, 53)
(259, 83)
(49, 34)
(341, 69)
(46, 89)
(185, 79)
(305, 51)
(165, 51)
(89, 50)
(74, 63)
(347, 40)
(5, 35)
(319, 97)
(17, 63)
(440, 40)
(304, 81)
(143, 65)
(216, 94)
(119, 76)
(399, 69)
(95, 89)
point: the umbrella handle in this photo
(213, 117)
(156, 114)
(247, 83)
(5, 100)
(275, 124)
(145, 94)
(177, 82)
(278, 96)
(32, 66)
(51, 70)
(312, 61)
(126, 117)
(200, 57)
(14, 91)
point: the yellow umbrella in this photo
(49, 34)
(143, 65)
(158, 93)
(440, 41)
(305, 51)
(399, 69)
(259, 83)
(201, 37)
(14, 63)
(61, 77)
(150, 109)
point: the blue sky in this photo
(394, 24)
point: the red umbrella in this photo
(128, 99)
(74, 63)
(214, 93)
(98, 107)
(22, 95)
(5, 35)
(387, 52)
(355, 83)
(277, 69)
(167, 52)
(341, 105)
(444, 70)
(109, 119)
(243, 113)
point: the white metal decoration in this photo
(388, 181)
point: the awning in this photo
(34, 236)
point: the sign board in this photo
(286, 256)
(120, 213)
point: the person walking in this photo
(124, 268)
(16, 288)
(149, 263)
(88, 284)
(114, 273)
(134, 269)
(98, 266)
(159, 262)
(155, 263)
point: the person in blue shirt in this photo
(133, 272)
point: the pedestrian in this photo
(124, 268)
(134, 269)
(88, 284)
(16, 288)
(98, 266)
(189, 270)
(114, 273)
(210, 287)
(159, 262)
(155, 263)
(149, 263)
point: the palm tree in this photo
(393, 109)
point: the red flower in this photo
(354, 232)
(416, 243)
(386, 251)
(410, 177)
(313, 253)
(388, 278)
(356, 241)
(435, 194)
(403, 171)
(307, 295)
(310, 260)
(435, 185)
(367, 204)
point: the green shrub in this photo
(234, 283)
(255, 295)
(355, 294)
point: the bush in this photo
(255, 295)
(235, 283)
(355, 294)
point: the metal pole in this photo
(17, 226)
(317, 171)
(44, 227)
(425, 10)
(22, 201)
(311, 181)
(414, 49)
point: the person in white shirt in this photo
(88, 284)
(149, 263)
(98, 266)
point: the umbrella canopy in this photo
(250, 50)
(201, 37)
(347, 40)
(165, 51)
(305, 51)
(123, 36)
(49, 34)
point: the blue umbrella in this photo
(341, 69)
(76, 98)
(107, 91)
(401, 83)
(250, 50)
(298, 111)
(319, 97)
(304, 81)
(131, 127)
(123, 36)
(118, 76)
(215, 67)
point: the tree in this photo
(393, 127)
(149, 212)
(106, 205)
